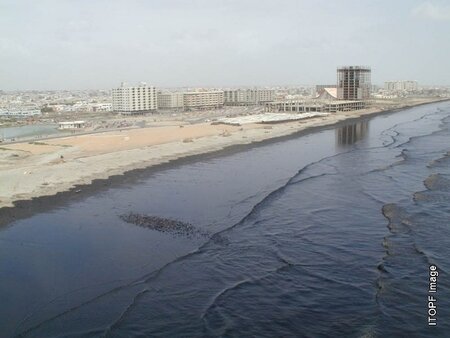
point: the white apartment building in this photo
(203, 99)
(134, 99)
(248, 96)
(401, 86)
(169, 100)
(265, 95)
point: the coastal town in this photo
(54, 141)
(212, 169)
(140, 105)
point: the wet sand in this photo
(72, 164)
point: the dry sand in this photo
(30, 170)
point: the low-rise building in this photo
(72, 124)
(170, 100)
(306, 106)
(299, 106)
(241, 97)
(100, 107)
(203, 99)
(341, 105)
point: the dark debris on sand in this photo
(165, 225)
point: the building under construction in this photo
(351, 92)
(308, 106)
(353, 83)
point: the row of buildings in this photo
(144, 98)
(351, 92)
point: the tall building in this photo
(401, 86)
(237, 97)
(353, 83)
(134, 99)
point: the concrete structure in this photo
(320, 87)
(327, 94)
(397, 86)
(351, 93)
(244, 97)
(72, 125)
(341, 105)
(301, 106)
(353, 83)
(170, 100)
(203, 99)
(134, 100)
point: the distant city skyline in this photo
(66, 44)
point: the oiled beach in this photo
(43, 168)
(315, 234)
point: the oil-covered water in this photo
(328, 234)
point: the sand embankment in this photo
(29, 170)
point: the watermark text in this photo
(432, 299)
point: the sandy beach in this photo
(34, 169)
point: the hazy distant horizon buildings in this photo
(353, 83)
(134, 99)
(404, 85)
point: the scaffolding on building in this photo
(353, 82)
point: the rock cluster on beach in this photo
(165, 225)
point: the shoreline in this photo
(18, 208)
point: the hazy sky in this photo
(80, 44)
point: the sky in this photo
(96, 44)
